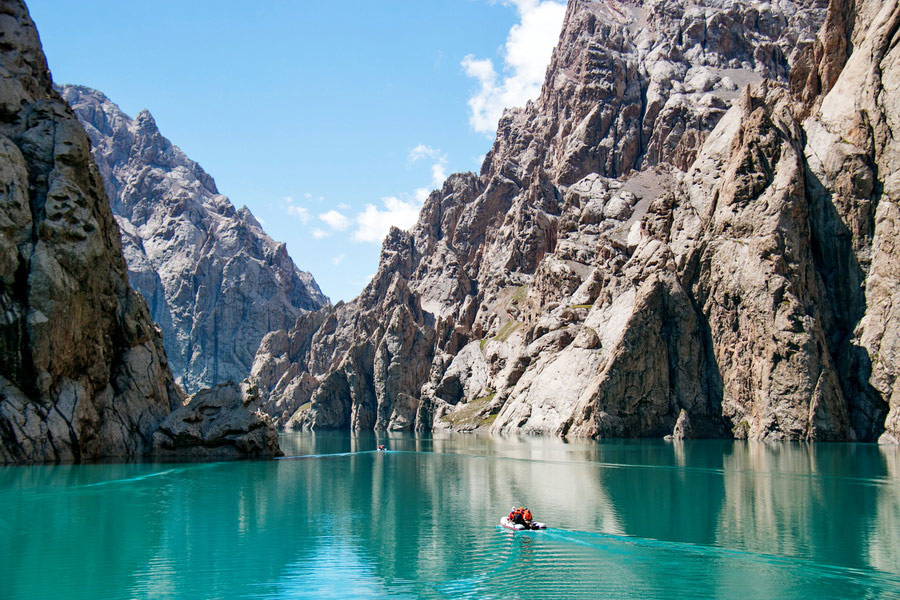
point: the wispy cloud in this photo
(422, 151)
(320, 234)
(527, 53)
(338, 259)
(439, 162)
(335, 220)
(292, 208)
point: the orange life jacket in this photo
(527, 515)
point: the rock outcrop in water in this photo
(689, 232)
(83, 373)
(214, 281)
(217, 423)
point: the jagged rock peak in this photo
(215, 281)
(687, 234)
(635, 84)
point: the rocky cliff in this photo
(689, 233)
(214, 281)
(83, 373)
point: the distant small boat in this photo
(382, 448)
(505, 522)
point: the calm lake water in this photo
(627, 519)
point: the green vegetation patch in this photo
(519, 293)
(507, 330)
(467, 413)
(741, 430)
(487, 421)
(305, 406)
(582, 305)
(487, 398)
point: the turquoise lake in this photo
(627, 519)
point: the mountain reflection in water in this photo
(336, 518)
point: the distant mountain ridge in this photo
(215, 282)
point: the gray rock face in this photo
(689, 233)
(635, 84)
(215, 424)
(853, 159)
(83, 373)
(214, 281)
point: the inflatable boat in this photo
(505, 522)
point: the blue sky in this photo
(329, 120)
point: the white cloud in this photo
(319, 234)
(438, 174)
(335, 220)
(422, 151)
(299, 212)
(337, 259)
(343, 206)
(374, 223)
(529, 46)
(438, 167)
(291, 208)
(421, 195)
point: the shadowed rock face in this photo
(690, 232)
(853, 158)
(83, 373)
(214, 281)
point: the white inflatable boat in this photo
(505, 522)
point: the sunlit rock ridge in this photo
(691, 232)
(214, 281)
(83, 373)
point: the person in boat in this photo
(517, 516)
(526, 514)
(381, 447)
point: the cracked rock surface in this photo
(691, 232)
